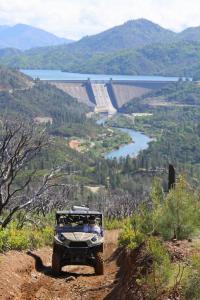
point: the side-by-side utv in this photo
(76, 242)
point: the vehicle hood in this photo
(78, 236)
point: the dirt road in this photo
(28, 276)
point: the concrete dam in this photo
(107, 96)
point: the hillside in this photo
(130, 35)
(190, 34)
(42, 100)
(137, 47)
(21, 97)
(174, 95)
(12, 79)
(23, 37)
(174, 59)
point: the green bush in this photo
(130, 237)
(3, 240)
(27, 237)
(47, 235)
(156, 267)
(115, 223)
(175, 215)
(191, 284)
(17, 239)
(179, 216)
(157, 279)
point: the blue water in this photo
(140, 142)
(59, 75)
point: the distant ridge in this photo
(137, 47)
(132, 34)
(24, 37)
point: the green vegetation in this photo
(157, 280)
(191, 282)
(137, 47)
(180, 58)
(42, 101)
(177, 94)
(174, 216)
(115, 223)
(35, 233)
(69, 120)
(104, 142)
(11, 79)
(174, 127)
(157, 216)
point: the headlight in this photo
(62, 238)
(94, 239)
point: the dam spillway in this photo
(102, 99)
(107, 96)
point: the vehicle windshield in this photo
(79, 223)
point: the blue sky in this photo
(77, 18)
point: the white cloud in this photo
(76, 18)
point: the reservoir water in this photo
(59, 75)
(139, 142)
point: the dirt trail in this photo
(28, 276)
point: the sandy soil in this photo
(28, 276)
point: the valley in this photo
(110, 124)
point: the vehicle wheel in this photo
(99, 264)
(56, 259)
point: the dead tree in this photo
(19, 144)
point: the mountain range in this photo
(24, 37)
(138, 47)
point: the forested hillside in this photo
(11, 79)
(138, 47)
(174, 59)
(176, 94)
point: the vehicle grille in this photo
(78, 244)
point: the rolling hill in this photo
(11, 79)
(20, 96)
(138, 47)
(130, 35)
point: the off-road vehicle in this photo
(75, 242)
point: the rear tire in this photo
(56, 259)
(99, 264)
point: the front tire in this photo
(99, 264)
(56, 259)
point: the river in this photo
(59, 75)
(139, 143)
